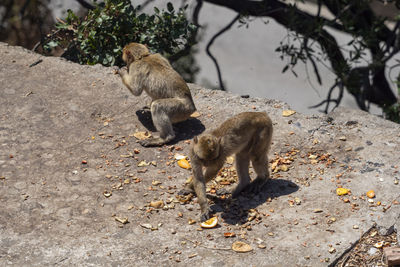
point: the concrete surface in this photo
(56, 116)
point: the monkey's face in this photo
(206, 147)
(134, 51)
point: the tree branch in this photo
(227, 27)
(85, 4)
(356, 82)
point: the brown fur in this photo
(171, 98)
(248, 136)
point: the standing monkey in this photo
(171, 98)
(247, 135)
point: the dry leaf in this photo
(288, 112)
(143, 163)
(179, 156)
(142, 135)
(121, 220)
(146, 225)
(184, 198)
(107, 193)
(195, 114)
(157, 204)
(240, 246)
(183, 163)
(155, 183)
(230, 160)
(229, 234)
(284, 168)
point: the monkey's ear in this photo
(219, 139)
(195, 140)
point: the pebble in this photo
(372, 251)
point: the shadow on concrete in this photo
(184, 130)
(236, 211)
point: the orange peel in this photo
(210, 223)
(183, 163)
(371, 194)
(342, 191)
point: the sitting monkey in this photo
(247, 135)
(171, 98)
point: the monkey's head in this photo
(207, 146)
(134, 51)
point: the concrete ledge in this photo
(55, 114)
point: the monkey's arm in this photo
(199, 186)
(130, 81)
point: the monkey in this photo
(171, 100)
(247, 135)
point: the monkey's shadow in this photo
(183, 130)
(235, 211)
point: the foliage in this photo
(23, 22)
(392, 112)
(102, 34)
(360, 65)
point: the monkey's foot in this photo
(256, 186)
(206, 215)
(224, 191)
(150, 142)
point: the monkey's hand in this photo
(122, 71)
(185, 192)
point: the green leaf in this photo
(170, 7)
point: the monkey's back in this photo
(242, 123)
(159, 74)
(243, 128)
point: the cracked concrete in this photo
(66, 138)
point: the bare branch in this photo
(146, 3)
(227, 27)
(85, 4)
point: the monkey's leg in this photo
(164, 112)
(242, 168)
(160, 114)
(259, 160)
(260, 166)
